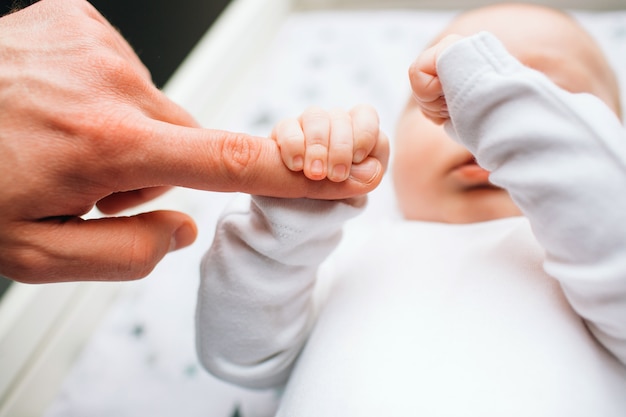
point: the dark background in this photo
(162, 32)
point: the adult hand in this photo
(81, 123)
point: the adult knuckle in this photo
(140, 264)
(117, 72)
(141, 259)
(238, 154)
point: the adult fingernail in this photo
(183, 236)
(365, 171)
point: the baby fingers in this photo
(425, 83)
(316, 124)
(290, 139)
(365, 124)
(326, 144)
(340, 147)
(423, 77)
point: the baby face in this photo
(437, 179)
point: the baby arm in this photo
(561, 156)
(254, 307)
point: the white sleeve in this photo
(562, 157)
(255, 303)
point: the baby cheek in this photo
(407, 182)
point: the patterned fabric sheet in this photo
(141, 360)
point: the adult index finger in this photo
(216, 160)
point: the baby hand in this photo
(427, 89)
(334, 144)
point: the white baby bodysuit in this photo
(515, 317)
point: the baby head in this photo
(437, 179)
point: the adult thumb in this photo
(105, 249)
